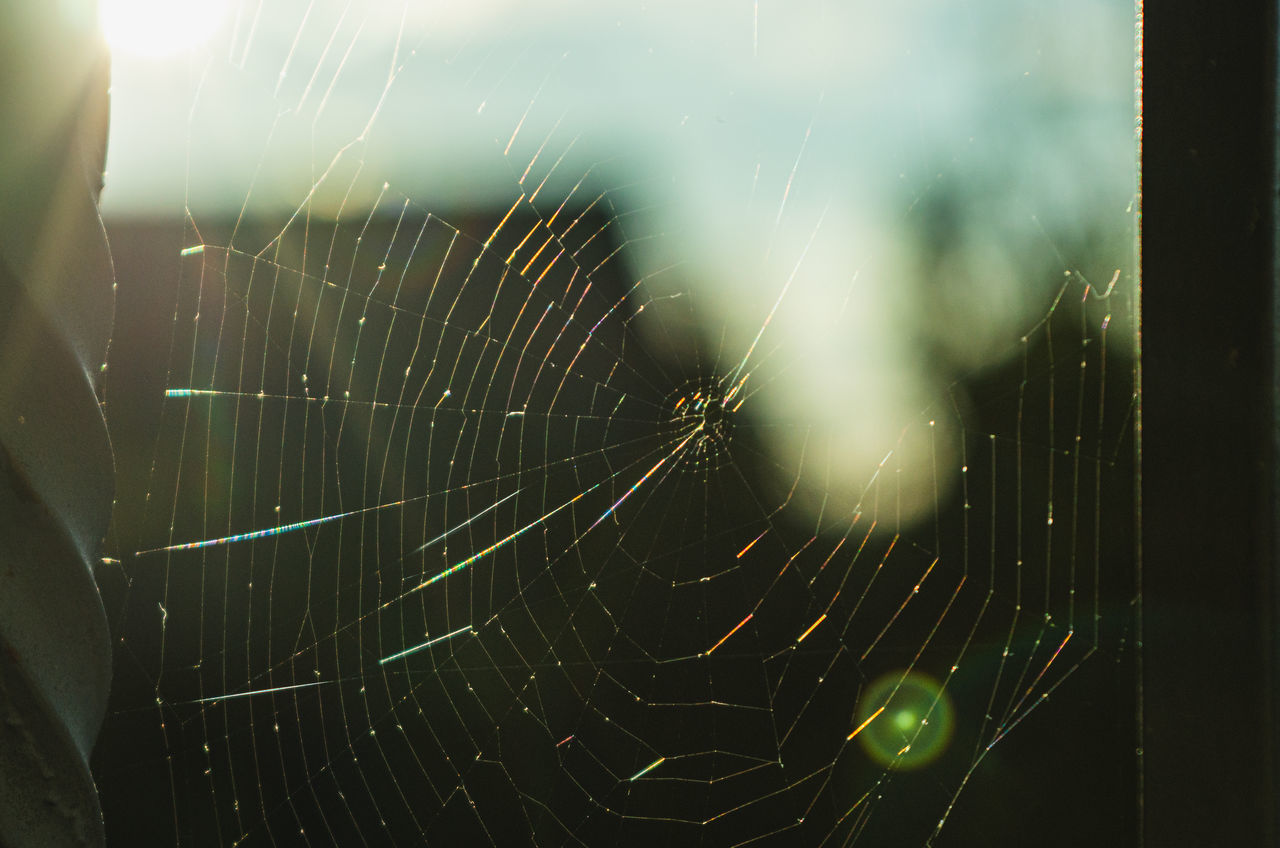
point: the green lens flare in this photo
(904, 720)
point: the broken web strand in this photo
(649, 769)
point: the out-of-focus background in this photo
(893, 244)
(925, 168)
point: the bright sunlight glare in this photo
(159, 28)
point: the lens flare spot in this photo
(905, 720)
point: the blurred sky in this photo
(881, 184)
(689, 89)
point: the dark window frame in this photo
(1209, 426)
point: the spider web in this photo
(508, 530)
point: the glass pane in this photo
(615, 423)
